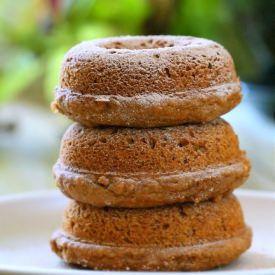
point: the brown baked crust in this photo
(125, 167)
(147, 81)
(176, 225)
(211, 233)
(194, 258)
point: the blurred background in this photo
(35, 34)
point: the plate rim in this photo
(26, 196)
(9, 269)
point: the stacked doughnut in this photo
(149, 165)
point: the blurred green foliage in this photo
(37, 33)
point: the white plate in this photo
(27, 221)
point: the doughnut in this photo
(133, 167)
(172, 238)
(146, 81)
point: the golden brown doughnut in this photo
(179, 237)
(130, 167)
(147, 81)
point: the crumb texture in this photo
(159, 150)
(177, 225)
(134, 65)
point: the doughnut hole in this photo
(138, 44)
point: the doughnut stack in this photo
(149, 165)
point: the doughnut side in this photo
(193, 258)
(156, 150)
(148, 190)
(148, 110)
(176, 225)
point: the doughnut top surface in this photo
(137, 65)
(157, 150)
